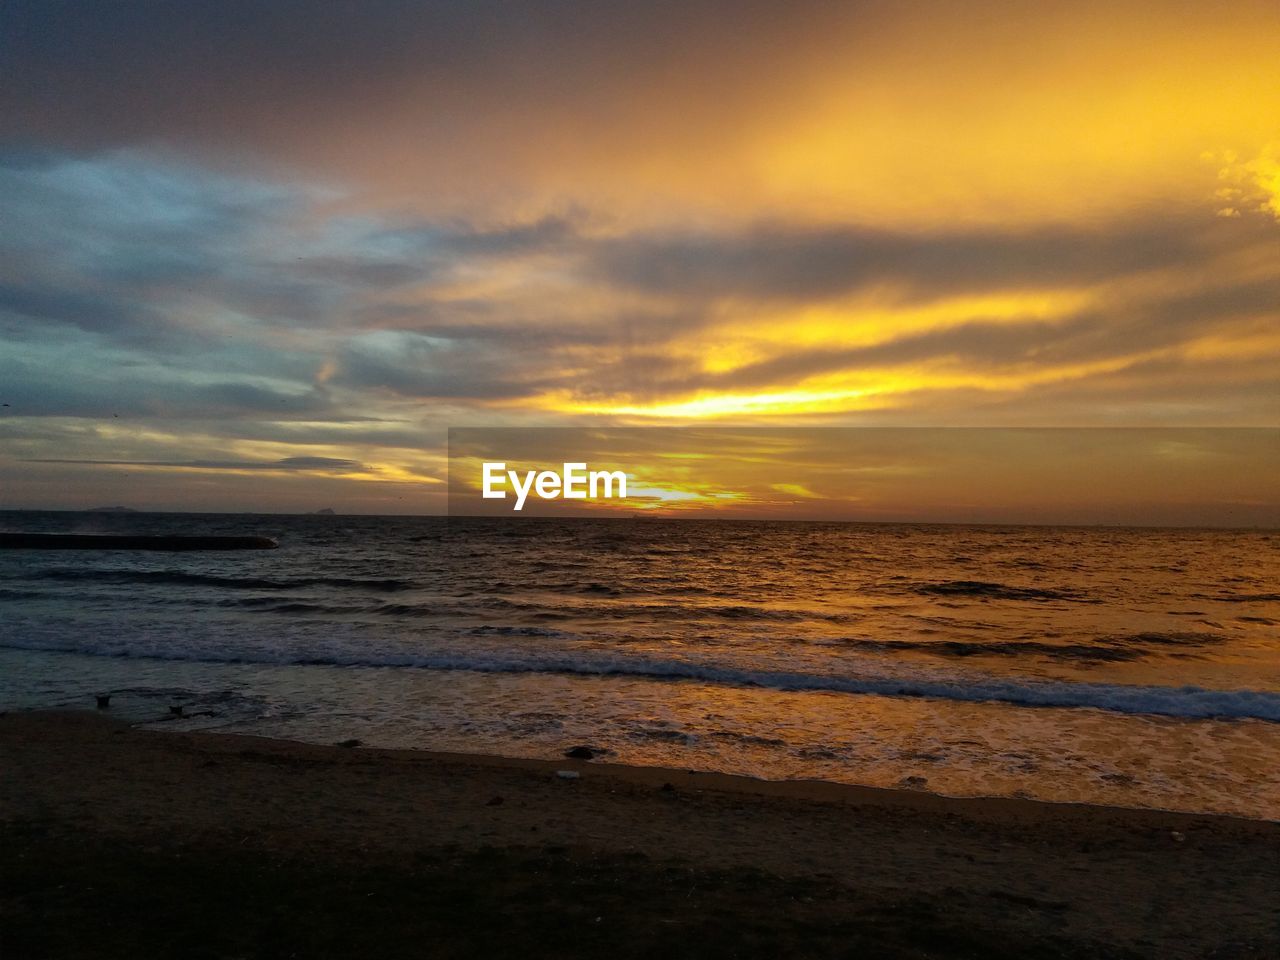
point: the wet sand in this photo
(119, 841)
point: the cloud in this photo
(455, 239)
(1250, 186)
(318, 66)
(431, 367)
(93, 313)
(865, 110)
(980, 345)
(289, 464)
(779, 262)
(287, 309)
(42, 386)
(253, 233)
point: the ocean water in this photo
(1138, 667)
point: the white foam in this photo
(304, 648)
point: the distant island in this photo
(113, 510)
(324, 512)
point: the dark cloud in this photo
(39, 388)
(90, 312)
(428, 367)
(795, 263)
(454, 239)
(98, 74)
(359, 272)
(292, 464)
(134, 250)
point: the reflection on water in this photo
(1108, 665)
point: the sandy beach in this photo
(132, 842)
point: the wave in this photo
(6, 594)
(1117, 648)
(999, 591)
(1187, 702)
(676, 612)
(179, 577)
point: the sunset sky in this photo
(262, 256)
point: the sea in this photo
(1129, 667)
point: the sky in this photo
(263, 255)
(1114, 476)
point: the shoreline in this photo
(94, 796)
(993, 806)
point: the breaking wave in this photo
(1189, 702)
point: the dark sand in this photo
(118, 842)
